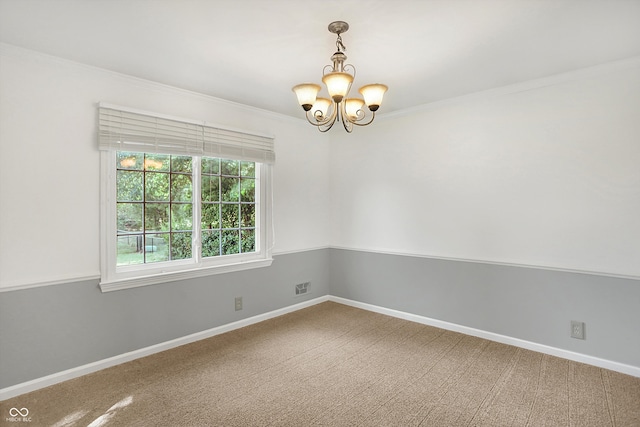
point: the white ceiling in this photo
(254, 51)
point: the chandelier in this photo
(338, 77)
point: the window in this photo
(170, 209)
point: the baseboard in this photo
(541, 348)
(49, 380)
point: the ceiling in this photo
(254, 51)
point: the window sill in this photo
(117, 285)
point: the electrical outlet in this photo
(577, 330)
(238, 303)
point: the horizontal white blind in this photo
(130, 131)
(237, 145)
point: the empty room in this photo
(338, 213)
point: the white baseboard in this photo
(540, 348)
(29, 386)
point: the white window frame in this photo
(115, 277)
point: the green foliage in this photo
(181, 217)
(210, 165)
(248, 169)
(230, 167)
(210, 216)
(129, 217)
(248, 190)
(181, 245)
(248, 239)
(154, 206)
(230, 214)
(210, 243)
(247, 215)
(156, 186)
(181, 188)
(230, 242)
(230, 189)
(130, 186)
(210, 188)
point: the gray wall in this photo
(531, 304)
(50, 329)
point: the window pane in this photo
(248, 190)
(210, 243)
(129, 186)
(156, 186)
(129, 160)
(230, 216)
(130, 250)
(210, 216)
(210, 188)
(248, 240)
(230, 242)
(156, 217)
(248, 169)
(181, 189)
(230, 167)
(181, 217)
(230, 189)
(156, 248)
(129, 217)
(181, 164)
(154, 207)
(210, 165)
(157, 162)
(247, 215)
(180, 245)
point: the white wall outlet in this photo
(577, 330)
(238, 303)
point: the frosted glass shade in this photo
(306, 93)
(338, 84)
(322, 105)
(352, 106)
(373, 95)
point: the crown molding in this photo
(32, 55)
(556, 79)
(574, 75)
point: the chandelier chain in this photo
(339, 45)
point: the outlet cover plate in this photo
(577, 330)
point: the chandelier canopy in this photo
(338, 77)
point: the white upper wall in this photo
(547, 176)
(49, 164)
(543, 175)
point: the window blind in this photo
(124, 130)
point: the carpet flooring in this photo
(335, 365)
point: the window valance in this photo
(127, 130)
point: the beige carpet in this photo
(335, 365)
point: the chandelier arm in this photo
(347, 124)
(353, 69)
(373, 116)
(312, 118)
(328, 123)
(325, 129)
